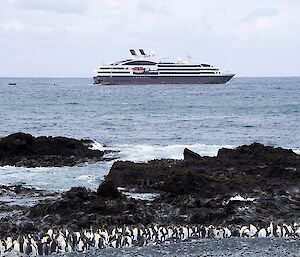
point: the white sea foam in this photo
(297, 151)
(240, 198)
(97, 146)
(140, 153)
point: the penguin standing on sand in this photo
(2, 248)
(39, 247)
(45, 248)
(9, 243)
(96, 239)
(102, 243)
(289, 230)
(104, 234)
(204, 231)
(50, 233)
(244, 232)
(81, 246)
(270, 230)
(34, 247)
(196, 232)
(297, 230)
(126, 240)
(211, 231)
(16, 246)
(28, 247)
(175, 233)
(53, 248)
(219, 233)
(227, 233)
(279, 231)
(61, 243)
(141, 240)
(253, 230)
(262, 232)
(116, 241)
(162, 234)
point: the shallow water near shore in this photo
(145, 122)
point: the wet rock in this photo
(269, 175)
(78, 194)
(258, 153)
(190, 155)
(107, 189)
(22, 149)
(82, 208)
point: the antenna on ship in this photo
(188, 55)
(142, 52)
(133, 52)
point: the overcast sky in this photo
(70, 38)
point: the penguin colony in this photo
(65, 240)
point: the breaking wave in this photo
(144, 152)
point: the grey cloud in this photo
(60, 6)
(259, 13)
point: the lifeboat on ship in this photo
(138, 70)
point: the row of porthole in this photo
(121, 80)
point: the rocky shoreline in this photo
(250, 184)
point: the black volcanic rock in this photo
(107, 189)
(190, 155)
(258, 153)
(202, 186)
(22, 149)
(82, 208)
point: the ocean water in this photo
(146, 122)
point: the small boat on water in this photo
(12, 83)
(142, 68)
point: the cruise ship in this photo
(142, 68)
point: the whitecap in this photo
(145, 152)
(97, 146)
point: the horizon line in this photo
(86, 77)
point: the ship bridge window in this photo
(205, 65)
(140, 63)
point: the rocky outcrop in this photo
(22, 149)
(201, 187)
(107, 189)
(82, 208)
(190, 155)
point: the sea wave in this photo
(145, 152)
(297, 151)
(56, 178)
